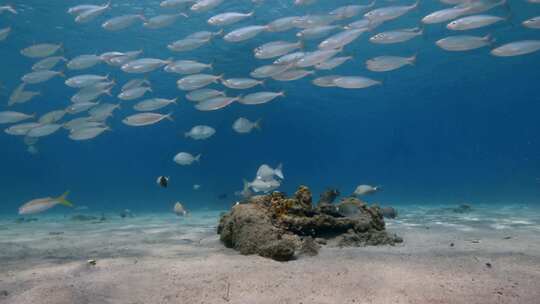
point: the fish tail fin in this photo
(246, 184)
(302, 44)
(198, 157)
(416, 4)
(509, 16)
(507, 7)
(382, 82)
(257, 124)
(63, 199)
(412, 59)
(12, 10)
(169, 117)
(490, 39)
(279, 171)
(145, 79)
(184, 15)
(219, 33)
(282, 94)
(175, 101)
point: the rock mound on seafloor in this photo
(281, 228)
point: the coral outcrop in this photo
(281, 227)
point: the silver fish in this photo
(332, 63)
(153, 104)
(4, 33)
(14, 117)
(355, 82)
(517, 48)
(276, 49)
(229, 18)
(92, 13)
(185, 159)
(326, 81)
(21, 129)
(260, 98)
(162, 21)
(87, 133)
(215, 103)
(464, 43)
(44, 130)
(533, 23)
(83, 62)
(396, 36)
(203, 94)
(41, 50)
(389, 63)
(43, 204)
(48, 63)
(390, 12)
(243, 125)
(291, 75)
(244, 33)
(473, 22)
(40, 76)
(241, 83)
(200, 132)
(145, 119)
(144, 65)
(197, 81)
(121, 22)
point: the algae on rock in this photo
(277, 227)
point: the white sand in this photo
(160, 259)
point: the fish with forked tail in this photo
(42, 204)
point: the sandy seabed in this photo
(479, 257)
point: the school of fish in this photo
(322, 41)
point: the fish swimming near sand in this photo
(43, 204)
(365, 189)
(179, 209)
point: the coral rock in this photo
(272, 225)
(309, 247)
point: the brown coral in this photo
(271, 225)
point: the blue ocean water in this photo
(456, 127)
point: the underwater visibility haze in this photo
(428, 105)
